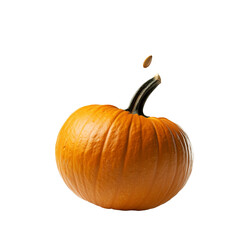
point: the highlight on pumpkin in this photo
(122, 159)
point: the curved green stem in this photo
(140, 97)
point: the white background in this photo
(57, 56)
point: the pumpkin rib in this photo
(77, 177)
(86, 147)
(73, 118)
(126, 153)
(102, 150)
(190, 153)
(176, 162)
(187, 159)
(129, 135)
(81, 165)
(62, 144)
(158, 123)
(156, 165)
(73, 172)
(123, 161)
(62, 157)
(81, 157)
(190, 159)
(176, 187)
(184, 159)
(59, 145)
(135, 116)
(140, 142)
(140, 132)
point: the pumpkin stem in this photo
(140, 97)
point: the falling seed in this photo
(147, 61)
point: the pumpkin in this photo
(122, 159)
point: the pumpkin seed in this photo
(147, 61)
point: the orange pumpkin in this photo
(122, 159)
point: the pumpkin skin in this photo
(122, 160)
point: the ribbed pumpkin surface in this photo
(120, 160)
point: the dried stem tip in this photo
(147, 61)
(157, 77)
